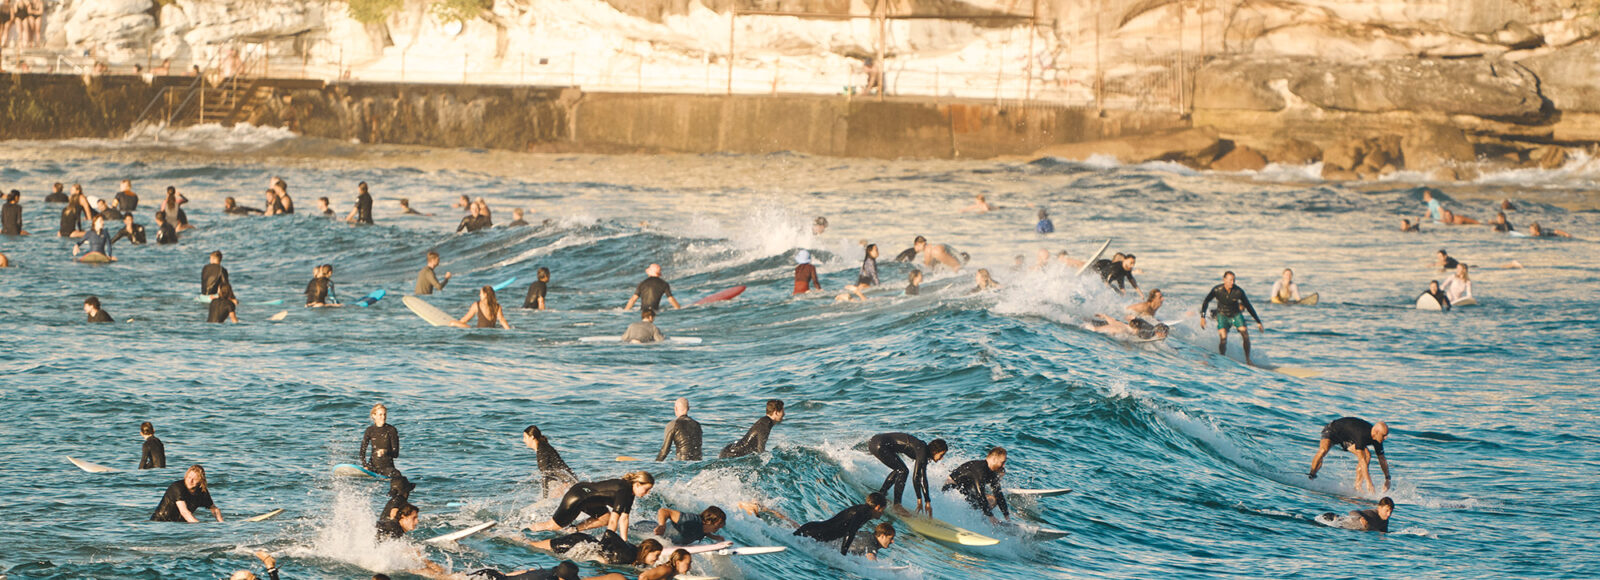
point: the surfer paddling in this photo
(1355, 435)
(405, 521)
(888, 447)
(608, 503)
(755, 440)
(1229, 299)
(185, 496)
(611, 548)
(566, 570)
(845, 524)
(650, 292)
(681, 529)
(683, 432)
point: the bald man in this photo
(684, 432)
(652, 290)
(1355, 435)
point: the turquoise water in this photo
(1184, 463)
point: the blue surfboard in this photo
(372, 298)
(505, 284)
(353, 470)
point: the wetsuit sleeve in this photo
(1245, 300)
(656, 331)
(366, 437)
(145, 460)
(763, 431)
(666, 440)
(394, 441)
(1207, 301)
(1131, 280)
(919, 479)
(849, 537)
(999, 497)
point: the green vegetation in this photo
(371, 11)
(459, 10)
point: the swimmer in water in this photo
(1285, 291)
(475, 220)
(325, 207)
(1501, 225)
(406, 521)
(1439, 295)
(554, 475)
(165, 233)
(1445, 262)
(319, 292)
(106, 211)
(153, 454)
(1043, 262)
(57, 195)
(537, 290)
(383, 439)
(650, 292)
(919, 244)
(231, 207)
(132, 232)
(882, 537)
(400, 490)
(644, 331)
(984, 282)
(224, 306)
(914, 283)
(1045, 226)
(1151, 304)
(405, 208)
(267, 561)
(845, 524)
(1459, 220)
(92, 309)
(608, 503)
(1135, 327)
(487, 310)
(1373, 520)
(681, 529)
(463, 203)
(980, 204)
(1229, 299)
(819, 225)
(184, 497)
(613, 550)
(72, 215)
(805, 274)
(1355, 435)
(516, 219)
(683, 432)
(979, 482)
(96, 239)
(427, 283)
(755, 439)
(1539, 232)
(173, 207)
(213, 275)
(11, 215)
(127, 200)
(888, 447)
(362, 212)
(1407, 226)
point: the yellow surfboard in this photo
(944, 531)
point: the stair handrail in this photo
(194, 88)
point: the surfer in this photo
(213, 275)
(984, 282)
(11, 215)
(979, 205)
(475, 220)
(173, 207)
(362, 212)
(126, 199)
(1459, 220)
(1434, 212)
(487, 310)
(231, 207)
(681, 529)
(1500, 224)
(607, 503)
(97, 240)
(914, 283)
(72, 215)
(56, 195)
(1355, 435)
(888, 447)
(267, 561)
(869, 268)
(1151, 304)
(427, 283)
(612, 549)
(1458, 286)
(1067, 259)
(153, 455)
(805, 274)
(1407, 226)
(819, 225)
(516, 219)
(106, 211)
(1373, 520)
(404, 521)
(384, 441)
(755, 440)
(91, 307)
(1285, 291)
(979, 482)
(405, 208)
(650, 292)
(223, 306)
(319, 292)
(566, 570)
(133, 232)
(1533, 230)
(400, 490)
(846, 523)
(882, 537)
(1118, 271)
(1229, 298)
(537, 290)
(1135, 327)
(918, 245)
(683, 431)
(1045, 226)
(678, 563)
(554, 475)
(165, 233)
(644, 331)
(185, 496)
(1439, 295)
(1445, 262)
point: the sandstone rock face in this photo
(1192, 146)
(1430, 148)
(1570, 76)
(115, 29)
(1241, 158)
(1479, 87)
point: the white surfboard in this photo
(453, 536)
(750, 550)
(1425, 301)
(92, 467)
(697, 548)
(265, 516)
(427, 312)
(1090, 262)
(618, 339)
(1040, 492)
(1468, 301)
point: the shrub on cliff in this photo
(372, 11)
(458, 10)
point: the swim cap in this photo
(802, 257)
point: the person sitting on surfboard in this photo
(1373, 520)
(554, 475)
(153, 454)
(487, 310)
(185, 496)
(979, 482)
(644, 331)
(427, 283)
(96, 239)
(805, 274)
(681, 529)
(213, 275)
(888, 447)
(1459, 286)
(537, 290)
(683, 431)
(650, 292)
(1355, 435)
(846, 523)
(91, 307)
(566, 570)
(1438, 295)
(383, 439)
(1229, 299)
(1285, 291)
(755, 440)
(224, 307)
(607, 503)
(267, 561)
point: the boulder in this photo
(1293, 152)
(1548, 157)
(1241, 158)
(1481, 87)
(1346, 155)
(1431, 147)
(119, 29)
(1199, 145)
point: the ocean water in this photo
(1184, 463)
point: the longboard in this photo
(421, 308)
(1038, 532)
(94, 258)
(1090, 262)
(749, 550)
(1426, 301)
(203, 299)
(505, 284)
(353, 470)
(944, 531)
(459, 534)
(265, 516)
(728, 294)
(1310, 300)
(372, 298)
(1468, 301)
(1040, 492)
(618, 339)
(92, 467)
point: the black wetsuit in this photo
(888, 447)
(595, 499)
(474, 223)
(71, 220)
(613, 549)
(534, 574)
(56, 197)
(844, 525)
(1450, 263)
(167, 234)
(100, 315)
(536, 291)
(386, 438)
(134, 234)
(219, 310)
(869, 272)
(913, 289)
(1503, 227)
(684, 432)
(1352, 433)
(754, 440)
(651, 291)
(517, 224)
(363, 208)
(1442, 297)
(552, 469)
(154, 454)
(168, 510)
(975, 481)
(909, 255)
(389, 529)
(111, 214)
(1375, 523)
(1229, 301)
(127, 202)
(212, 277)
(242, 210)
(1115, 275)
(11, 219)
(687, 530)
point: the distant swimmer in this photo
(1434, 212)
(405, 208)
(184, 497)
(325, 207)
(400, 490)
(213, 275)
(980, 204)
(487, 310)
(73, 214)
(106, 211)
(395, 528)
(919, 244)
(95, 241)
(984, 282)
(611, 548)
(173, 207)
(166, 234)
(1045, 226)
(537, 291)
(11, 215)
(1501, 225)
(224, 306)
(267, 561)
(1373, 520)
(554, 475)
(1229, 299)
(1458, 286)
(1355, 435)
(644, 331)
(319, 291)
(285, 203)
(650, 292)
(819, 225)
(1285, 291)
(755, 440)
(845, 524)
(1459, 220)
(427, 283)
(1042, 263)
(272, 202)
(882, 537)
(1439, 295)
(127, 200)
(805, 274)
(517, 220)
(1118, 271)
(463, 203)
(131, 231)
(888, 447)
(1134, 327)
(682, 432)
(475, 220)
(1407, 226)
(91, 308)
(914, 283)
(979, 482)
(1151, 304)
(58, 195)
(608, 503)
(1445, 262)
(384, 441)
(681, 529)
(362, 212)
(566, 570)
(1538, 232)
(1505, 205)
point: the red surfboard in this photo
(728, 294)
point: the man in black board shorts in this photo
(1355, 435)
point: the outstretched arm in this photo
(1383, 462)
(666, 442)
